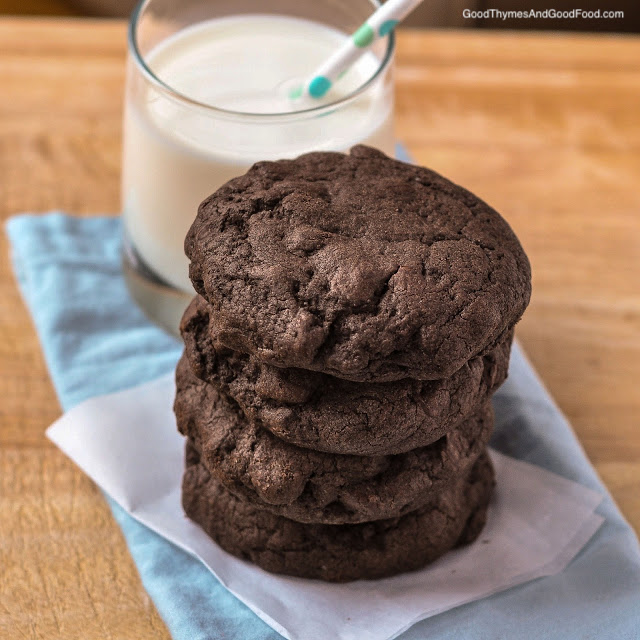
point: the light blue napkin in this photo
(96, 341)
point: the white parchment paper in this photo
(128, 444)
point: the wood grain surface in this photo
(544, 127)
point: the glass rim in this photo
(147, 72)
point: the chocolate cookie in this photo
(357, 265)
(338, 553)
(318, 411)
(311, 486)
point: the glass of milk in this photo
(207, 95)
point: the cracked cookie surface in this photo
(311, 486)
(318, 411)
(357, 265)
(338, 553)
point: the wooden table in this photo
(544, 127)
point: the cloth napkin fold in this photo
(96, 341)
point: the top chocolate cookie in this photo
(357, 265)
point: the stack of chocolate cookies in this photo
(354, 316)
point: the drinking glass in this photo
(177, 150)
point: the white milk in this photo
(176, 155)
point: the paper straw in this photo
(378, 25)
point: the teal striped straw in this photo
(378, 25)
